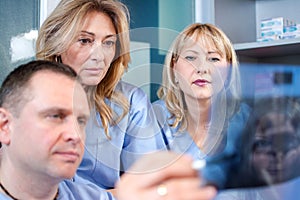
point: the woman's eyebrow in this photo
(111, 36)
(89, 33)
(190, 50)
(93, 34)
(213, 51)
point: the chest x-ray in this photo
(270, 144)
(267, 150)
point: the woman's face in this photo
(94, 49)
(200, 70)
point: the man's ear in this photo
(5, 119)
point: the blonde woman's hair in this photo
(169, 90)
(60, 30)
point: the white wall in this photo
(139, 69)
(47, 6)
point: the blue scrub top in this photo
(181, 142)
(137, 134)
(69, 190)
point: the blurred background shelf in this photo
(285, 47)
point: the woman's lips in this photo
(201, 82)
(93, 70)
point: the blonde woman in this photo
(92, 37)
(199, 109)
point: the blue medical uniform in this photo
(181, 142)
(137, 134)
(69, 190)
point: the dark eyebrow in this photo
(62, 110)
(54, 109)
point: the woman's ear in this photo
(5, 119)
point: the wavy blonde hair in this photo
(169, 90)
(59, 31)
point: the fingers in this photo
(164, 175)
(173, 189)
(184, 188)
(162, 165)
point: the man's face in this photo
(47, 138)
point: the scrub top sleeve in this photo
(143, 134)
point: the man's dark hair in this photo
(13, 87)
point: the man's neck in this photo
(24, 185)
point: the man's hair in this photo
(16, 83)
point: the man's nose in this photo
(73, 131)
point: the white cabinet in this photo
(240, 20)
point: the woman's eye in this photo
(85, 41)
(109, 43)
(190, 58)
(214, 59)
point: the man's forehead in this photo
(47, 83)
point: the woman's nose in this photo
(202, 66)
(97, 52)
(201, 71)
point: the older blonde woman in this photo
(92, 37)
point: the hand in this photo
(163, 175)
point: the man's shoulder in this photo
(76, 190)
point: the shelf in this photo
(285, 47)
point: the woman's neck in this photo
(198, 120)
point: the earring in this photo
(58, 59)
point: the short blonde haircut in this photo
(60, 30)
(169, 90)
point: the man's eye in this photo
(85, 41)
(56, 116)
(82, 121)
(213, 59)
(109, 43)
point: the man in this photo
(43, 114)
